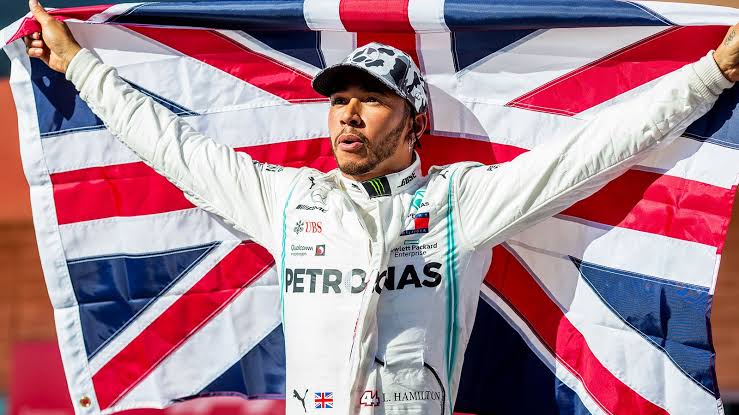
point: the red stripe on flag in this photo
(122, 190)
(513, 283)
(660, 204)
(622, 70)
(200, 304)
(30, 25)
(363, 15)
(403, 41)
(438, 150)
(639, 200)
(134, 189)
(226, 54)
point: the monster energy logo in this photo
(377, 187)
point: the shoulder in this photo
(442, 179)
(446, 172)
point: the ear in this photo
(420, 123)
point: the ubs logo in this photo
(308, 227)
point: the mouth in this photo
(350, 143)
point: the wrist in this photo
(70, 54)
(722, 64)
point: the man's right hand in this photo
(55, 44)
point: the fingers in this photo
(39, 12)
(34, 42)
(36, 52)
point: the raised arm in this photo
(498, 202)
(213, 176)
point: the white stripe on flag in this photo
(8, 32)
(336, 46)
(112, 11)
(259, 47)
(694, 160)
(672, 390)
(153, 66)
(133, 235)
(499, 77)
(427, 15)
(322, 15)
(640, 252)
(686, 14)
(266, 125)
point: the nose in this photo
(351, 115)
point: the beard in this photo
(378, 152)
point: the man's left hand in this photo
(727, 54)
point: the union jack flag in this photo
(324, 400)
(602, 309)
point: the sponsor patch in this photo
(307, 227)
(411, 248)
(420, 224)
(375, 398)
(408, 179)
(323, 400)
(310, 207)
(333, 281)
(273, 168)
(377, 187)
(301, 250)
(301, 398)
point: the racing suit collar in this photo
(388, 185)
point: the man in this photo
(377, 317)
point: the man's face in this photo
(368, 132)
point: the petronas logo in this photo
(377, 187)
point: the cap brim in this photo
(335, 77)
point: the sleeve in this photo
(497, 202)
(211, 175)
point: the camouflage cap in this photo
(391, 66)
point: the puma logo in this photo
(301, 399)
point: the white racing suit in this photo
(380, 280)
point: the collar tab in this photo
(377, 187)
(389, 185)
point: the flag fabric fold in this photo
(602, 309)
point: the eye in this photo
(338, 101)
(371, 99)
